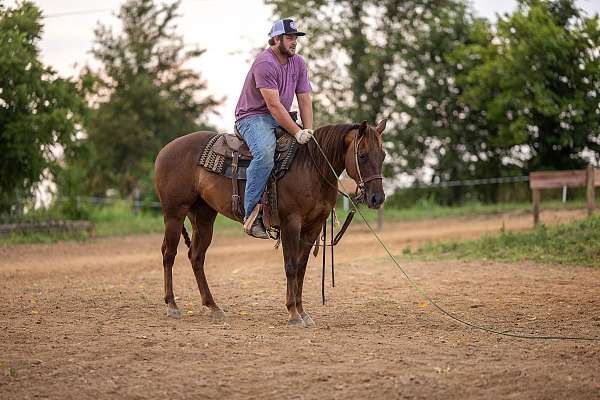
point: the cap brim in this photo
(290, 34)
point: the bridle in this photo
(360, 195)
(361, 192)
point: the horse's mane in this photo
(331, 140)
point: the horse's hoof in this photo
(308, 321)
(217, 315)
(296, 322)
(173, 313)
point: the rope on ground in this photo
(424, 295)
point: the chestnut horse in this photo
(306, 196)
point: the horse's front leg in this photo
(290, 239)
(307, 238)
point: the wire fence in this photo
(471, 182)
(138, 204)
(412, 192)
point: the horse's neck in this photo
(336, 158)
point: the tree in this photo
(39, 112)
(144, 96)
(451, 137)
(538, 82)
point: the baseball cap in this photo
(286, 26)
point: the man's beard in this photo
(283, 50)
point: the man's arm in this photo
(306, 111)
(278, 111)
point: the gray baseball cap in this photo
(286, 26)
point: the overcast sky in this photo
(228, 29)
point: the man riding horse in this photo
(306, 193)
(264, 104)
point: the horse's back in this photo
(176, 164)
(189, 145)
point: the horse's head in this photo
(364, 161)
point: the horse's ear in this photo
(362, 128)
(381, 126)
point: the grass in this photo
(576, 243)
(118, 219)
(429, 210)
(115, 220)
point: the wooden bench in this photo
(589, 178)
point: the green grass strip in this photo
(118, 219)
(429, 210)
(575, 243)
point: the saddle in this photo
(228, 155)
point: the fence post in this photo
(590, 190)
(536, 206)
(137, 195)
(380, 219)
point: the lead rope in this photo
(426, 297)
(334, 240)
(324, 255)
(332, 244)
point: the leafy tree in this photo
(144, 96)
(39, 112)
(450, 136)
(538, 82)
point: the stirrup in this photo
(254, 225)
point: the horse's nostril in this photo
(376, 199)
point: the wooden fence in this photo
(588, 178)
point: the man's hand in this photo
(303, 135)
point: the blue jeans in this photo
(258, 132)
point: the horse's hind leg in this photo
(173, 227)
(203, 219)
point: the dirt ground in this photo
(87, 320)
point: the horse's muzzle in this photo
(375, 200)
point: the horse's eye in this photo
(362, 156)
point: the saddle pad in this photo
(219, 160)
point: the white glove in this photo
(304, 135)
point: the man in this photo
(275, 76)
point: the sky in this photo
(229, 30)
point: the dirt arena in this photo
(87, 321)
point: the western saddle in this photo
(228, 155)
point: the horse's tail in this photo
(186, 237)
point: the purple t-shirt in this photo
(266, 72)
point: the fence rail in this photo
(588, 178)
